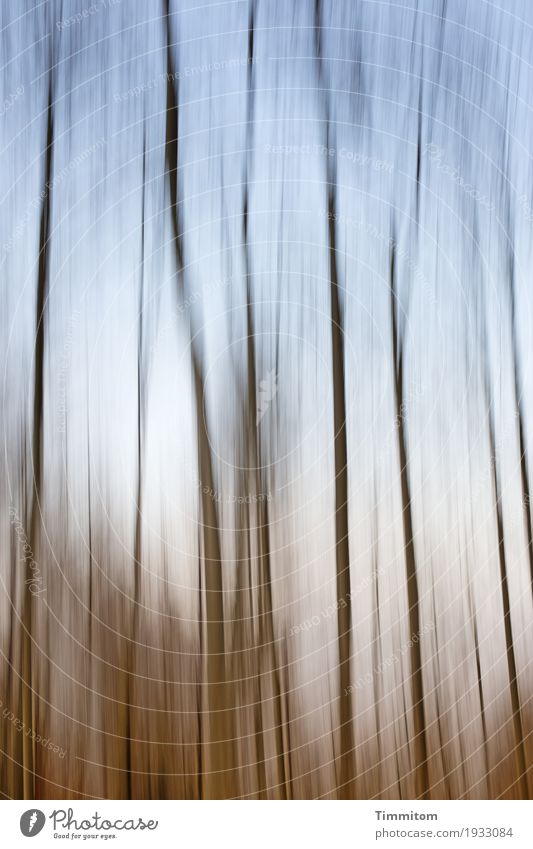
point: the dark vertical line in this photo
(91, 601)
(524, 474)
(511, 662)
(342, 553)
(417, 690)
(519, 750)
(438, 677)
(219, 780)
(286, 726)
(199, 698)
(419, 150)
(376, 631)
(481, 700)
(28, 698)
(12, 777)
(141, 401)
(254, 447)
(346, 781)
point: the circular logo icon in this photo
(32, 822)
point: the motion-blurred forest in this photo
(266, 399)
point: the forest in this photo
(266, 399)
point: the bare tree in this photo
(420, 767)
(43, 274)
(217, 749)
(342, 552)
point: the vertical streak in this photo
(218, 755)
(342, 553)
(346, 781)
(524, 474)
(254, 453)
(28, 696)
(417, 689)
(141, 414)
(511, 661)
